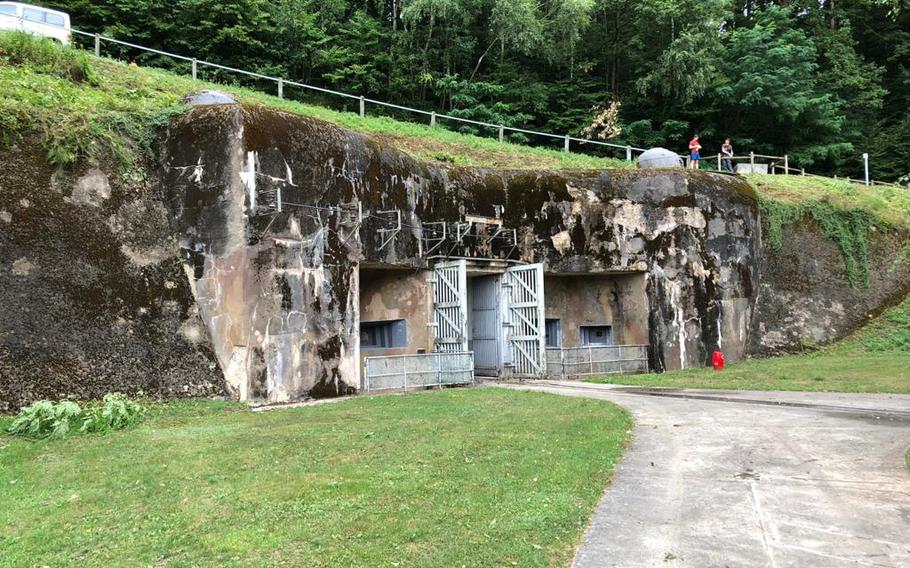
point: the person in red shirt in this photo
(694, 152)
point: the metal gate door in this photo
(450, 306)
(486, 328)
(524, 291)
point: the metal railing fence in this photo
(780, 165)
(281, 83)
(567, 139)
(565, 362)
(418, 371)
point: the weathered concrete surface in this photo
(805, 297)
(277, 291)
(759, 479)
(92, 296)
(696, 236)
(617, 300)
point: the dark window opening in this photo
(553, 336)
(596, 335)
(383, 334)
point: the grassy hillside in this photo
(82, 106)
(888, 333)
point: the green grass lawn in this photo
(874, 359)
(836, 372)
(466, 477)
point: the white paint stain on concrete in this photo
(562, 242)
(23, 267)
(92, 189)
(248, 178)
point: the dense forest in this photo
(821, 80)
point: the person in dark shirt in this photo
(726, 156)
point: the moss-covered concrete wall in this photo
(278, 289)
(189, 281)
(806, 295)
(94, 296)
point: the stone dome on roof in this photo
(209, 97)
(659, 158)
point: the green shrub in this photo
(47, 56)
(115, 412)
(46, 419)
(43, 419)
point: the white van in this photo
(35, 20)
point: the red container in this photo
(717, 361)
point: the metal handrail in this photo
(434, 115)
(588, 347)
(281, 81)
(321, 89)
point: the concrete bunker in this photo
(238, 268)
(402, 258)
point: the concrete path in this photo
(726, 478)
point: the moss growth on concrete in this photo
(848, 227)
(890, 204)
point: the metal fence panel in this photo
(564, 362)
(418, 371)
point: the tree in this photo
(821, 80)
(772, 91)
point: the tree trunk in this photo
(480, 60)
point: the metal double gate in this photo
(517, 298)
(520, 301)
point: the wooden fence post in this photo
(751, 162)
(786, 165)
(280, 88)
(501, 133)
(718, 162)
(565, 146)
(194, 69)
(363, 106)
(433, 118)
(628, 153)
(97, 45)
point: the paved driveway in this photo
(724, 478)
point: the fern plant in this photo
(43, 419)
(115, 412)
(46, 419)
